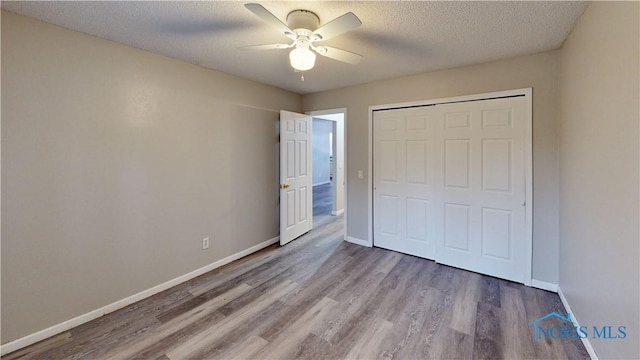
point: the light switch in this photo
(360, 174)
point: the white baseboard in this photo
(357, 241)
(79, 320)
(544, 285)
(322, 183)
(585, 341)
(337, 212)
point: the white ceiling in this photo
(396, 38)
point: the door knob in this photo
(284, 186)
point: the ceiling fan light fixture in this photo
(303, 28)
(302, 58)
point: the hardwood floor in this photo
(322, 204)
(322, 298)
(322, 200)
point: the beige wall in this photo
(536, 71)
(599, 117)
(115, 164)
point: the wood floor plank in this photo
(128, 349)
(251, 296)
(431, 340)
(411, 314)
(293, 264)
(319, 297)
(487, 342)
(226, 345)
(213, 279)
(39, 349)
(538, 303)
(194, 346)
(295, 270)
(345, 338)
(244, 350)
(363, 277)
(331, 273)
(516, 337)
(573, 349)
(211, 299)
(536, 307)
(465, 305)
(350, 304)
(155, 348)
(452, 344)
(390, 260)
(88, 347)
(285, 345)
(299, 301)
(367, 345)
(270, 267)
(312, 348)
(394, 291)
(266, 260)
(387, 302)
(446, 279)
(490, 290)
(108, 331)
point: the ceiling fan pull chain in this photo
(302, 76)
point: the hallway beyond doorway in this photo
(322, 203)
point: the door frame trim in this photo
(528, 160)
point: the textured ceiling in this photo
(396, 38)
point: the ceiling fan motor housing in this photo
(303, 20)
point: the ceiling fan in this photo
(303, 28)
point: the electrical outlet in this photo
(205, 243)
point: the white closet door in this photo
(482, 187)
(449, 184)
(404, 181)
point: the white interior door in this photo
(449, 184)
(482, 213)
(296, 194)
(404, 180)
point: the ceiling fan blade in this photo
(337, 26)
(269, 18)
(339, 54)
(265, 47)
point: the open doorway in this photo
(328, 164)
(323, 170)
